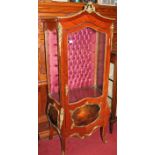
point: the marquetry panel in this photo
(85, 115)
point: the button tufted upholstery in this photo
(53, 61)
(81, 58)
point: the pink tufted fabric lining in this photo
(81, 62)
(53, 62)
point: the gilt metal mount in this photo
(89, 7)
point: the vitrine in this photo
(78, 59)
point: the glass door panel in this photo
(85, 64)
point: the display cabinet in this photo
(78, 59)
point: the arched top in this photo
(87, 16)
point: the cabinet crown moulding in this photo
(89, 8)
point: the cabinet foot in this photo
(103, 134)
(63, 146)
(51, 133)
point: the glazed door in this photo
(85, 55)
(85, 41)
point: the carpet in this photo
(75, 146)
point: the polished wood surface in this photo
(47, 10)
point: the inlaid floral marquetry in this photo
(86, 114)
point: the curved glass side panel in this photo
(53, 65)
(85, 64)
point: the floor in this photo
(75, 146)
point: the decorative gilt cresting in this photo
(89, 7)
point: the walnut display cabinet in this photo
(78, 59)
